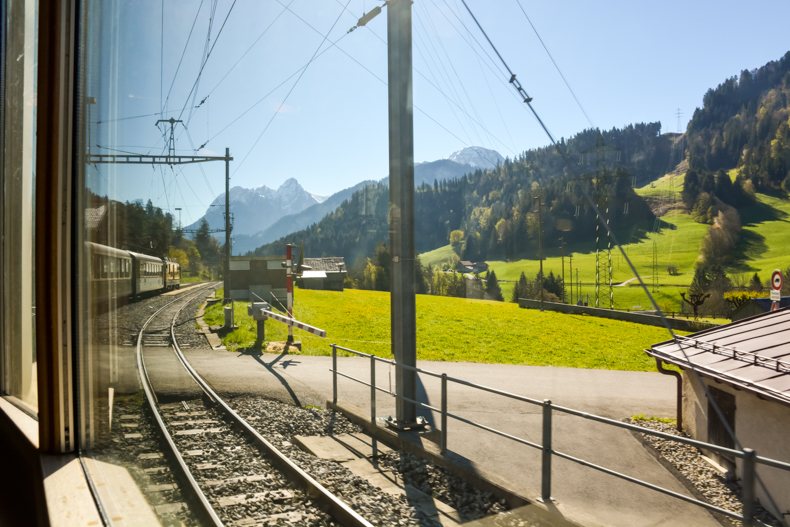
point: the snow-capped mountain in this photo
(254, 210)
(262, 215)
(477, 157)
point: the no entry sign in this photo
(776, 280)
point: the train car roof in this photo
(98, 248)
(145, 257)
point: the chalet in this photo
(323, 273)
(744, 369)
(465, 266)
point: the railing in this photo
(748, 456)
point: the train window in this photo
(17, 176)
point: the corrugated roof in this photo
(333, 264)
(753, 353)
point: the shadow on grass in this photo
(750, 245)
(760, 212)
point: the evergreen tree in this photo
(493, 290)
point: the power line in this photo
(183, 53)
(556, 66)
(513, 80)
(249, 48)
(293, 87)
(205, 61)
(432, 84)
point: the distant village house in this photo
(323, 273)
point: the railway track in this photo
(230, 473)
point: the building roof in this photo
(752, 354)
(332, 264)
(313, 274)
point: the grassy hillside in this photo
(763, 248)
(454, 329)
(765, 238)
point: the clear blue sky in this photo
(626, 62)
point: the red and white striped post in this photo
(289, 287)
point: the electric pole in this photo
(401, 213)
(540, 247)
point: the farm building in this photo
(465, 266)
(745, 368)
(323, 273)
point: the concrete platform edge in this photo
(461, 467)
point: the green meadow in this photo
(457, 329)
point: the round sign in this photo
(776, 280)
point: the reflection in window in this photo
(18, 182)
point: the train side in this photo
(124, 275)
(110, 271)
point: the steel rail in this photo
(206, 511)
(336, 507)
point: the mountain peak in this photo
(290, 185)
(477, 157)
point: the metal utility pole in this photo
(540, 248)
(226, 273)
(570, 272)
(401, 213)
(171, 140)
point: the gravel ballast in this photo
(708, 483)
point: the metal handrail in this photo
(748, 456)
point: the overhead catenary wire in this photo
(556, 66)
(513, 79)
(246, 52)
(290, 91)
(372, 73)
(183, 53)
(434, 85)
(205, 61)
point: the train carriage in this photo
(172, 274)
(148, 274)
(109, 271)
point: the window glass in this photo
(17, 175)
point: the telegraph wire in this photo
(439, 74)
(513, 80)
(204, 59)
(430, 82)
(202, 67)
(183, 53)
(479, 46)
(372, 73)
(556, 66)
(293, 87)
(246, 52)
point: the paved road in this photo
(582, 494)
